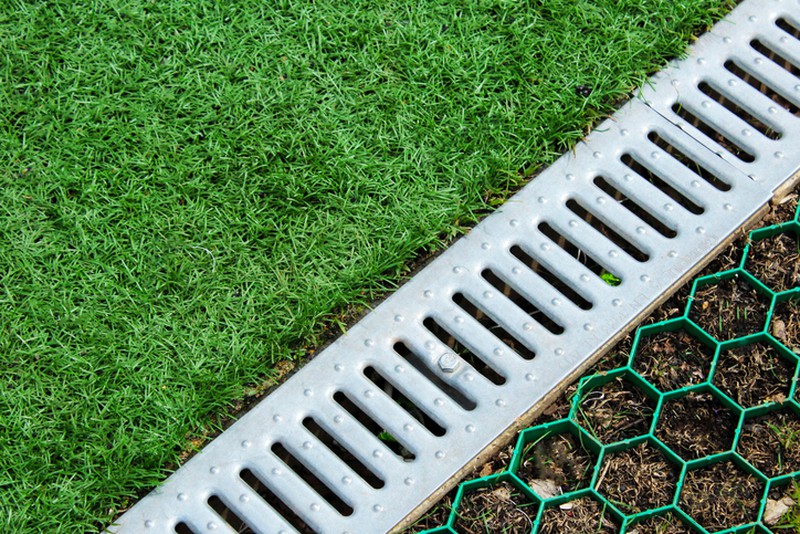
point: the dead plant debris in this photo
(771, 443)
(581, 515)
(617, 410)
(721, 496)
(754, 374)
(673, 360)
(729, 309)
(501, 508)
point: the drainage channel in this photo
(389, 414)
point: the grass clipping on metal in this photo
(189, 190)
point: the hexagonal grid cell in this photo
(773, 256)
(721, 495)
(583, 514)
(785, 322)
(696, 424)
(729, 305)
(615, 406)
(556, 458)
(663, 523)
(638, 478)
(494, 504)
(673, 354)
(754, 372)
(782, 510)
(771, 441)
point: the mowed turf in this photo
(188, 188)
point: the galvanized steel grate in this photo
(381, 419)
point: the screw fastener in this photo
(448, 362)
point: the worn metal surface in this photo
(384, 416)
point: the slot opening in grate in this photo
(498, 331)
(344, 454)
(754, 81)
(579, 254)
(551, 278)
(229, 516)
(183, 528)
(692, 165)
(301, 469)
(276, 503)
(787, 26)
(391, 389)
(600, 225)
(606, 187)
(713, 93)
(759, 46)
(480, 365)
(724, 141)
(416, 361)
(499, 283)
(636, 166)
(377, 430)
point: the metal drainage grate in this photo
(389, 413)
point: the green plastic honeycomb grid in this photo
(678, 455)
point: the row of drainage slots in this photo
(716, 93)
(458, 395)
(497, 280)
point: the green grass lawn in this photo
(187, 190)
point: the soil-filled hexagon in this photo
(497, 504)
(785, 323)
(638, 478)
(666, 523)
(754, 373)
(729, 305)
(696, 424)
(585, 514)
(721, 495)
(615, 406)
(773, 256)
(672, 355)
(771, 441)
(556, 458)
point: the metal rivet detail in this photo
(672, 254)
(695, 184)
(613, 253)
(530, 378)
(644, 278)
(246, 444)
(458, 319)
(585, 278)
(559, 351)
(570, 177)
(513, 222)
(346, 480)
(487, 294)
(556, 302)
(497, 352)
(597, 155)
(732, 82)
(308, 392)
(407, 427)
(399, 318)
(544, 246)
(700, 230)
(337, 419)
(601, 200)
(470, 428)
(527, 327)
(706, 104)
(427, 293)
(541, 200)
(573, 223)
(469, 377)
(430, 345)
(701, 61)
(244, 498)
(458, 270)
(727, 40)
(641, 230)
(758, 61)
(500, 402)
(377, 453)
(377, 508)
(516, 270)
(588, 327)
(439, 455)
(779, 155)
(655, 155)
(276, 472)
(211, 525)
(277, 418)
(181, 496)
(616, 302)
(149, 523)
(214, 470)
(772, 109)
(486, 246)
(314, 507)
(409, 481)
(307, 445)
(727, 207)
(438, 401)
(623, 132)
(338, 367)
(399, 369)
(747, 132)
(369, 393)
(448, 362)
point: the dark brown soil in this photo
(696, 425)
(775, 261)
(638, 479)
(616, 410)
(754, 374)
(583, 515)
(771, 443)
(502, 508)
(559, 458)
(721, 496)
(672, 360)
(662, 524)
(729, 309)
(785, 325)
